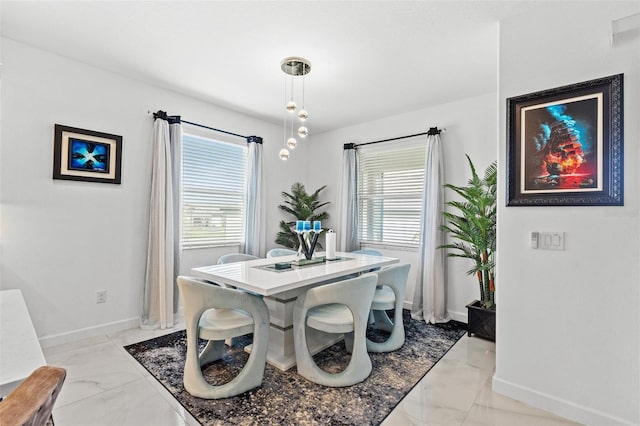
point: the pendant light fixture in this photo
(294, 67)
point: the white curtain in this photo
(163, 250)
(429, 298)
(254, 231)
(347, 232)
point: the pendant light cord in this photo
(303, 78)
(284, 125)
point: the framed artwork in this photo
(86, 155)
(565, 145)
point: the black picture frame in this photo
(86, 155)
(565, 145)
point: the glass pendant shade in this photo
(303, 115)
(303, 132)
(291, 143)
(291, 107)
(284, 154)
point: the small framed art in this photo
(565, 145)
(86, 155)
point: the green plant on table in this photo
(473, 225)
(302, 206)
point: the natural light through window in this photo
(213, 192)
(390, 180)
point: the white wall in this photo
(63, 240)
(568, 322)
(470, 128)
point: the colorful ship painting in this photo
(562, 159)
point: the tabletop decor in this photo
(86, 155)
(286, 398)
(300, 263)
(565, 145)
(308, 237)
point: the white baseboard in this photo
(71, 336)
(458, 316)
(570, 410)
(98, 330)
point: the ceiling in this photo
(370, 59)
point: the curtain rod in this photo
(163, 115)
(431, 131)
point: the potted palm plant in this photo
(302, 206)
(472, 225)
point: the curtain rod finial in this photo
(433, 131)
(160, 114)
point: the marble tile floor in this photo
(106, 386)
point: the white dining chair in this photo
(370, 252)
(341, 307)
(389, 294)
(215, 313)
(235, 257)
(278, 252)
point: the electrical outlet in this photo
(101, 296)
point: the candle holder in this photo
(308, 248)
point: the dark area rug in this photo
(285, 398)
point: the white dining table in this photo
(281, 287)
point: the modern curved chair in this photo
(370, 252)
(341, 307)
(214, 313)
(277, 252)
(389, 294)
(235, 257)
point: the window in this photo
(390, 181)
(213, 192)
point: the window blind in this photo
(213, 192)
(390, 181)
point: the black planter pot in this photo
(481, 321)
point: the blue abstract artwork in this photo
(88, 156)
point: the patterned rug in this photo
(285, 398)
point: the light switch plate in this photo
(551, 240)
